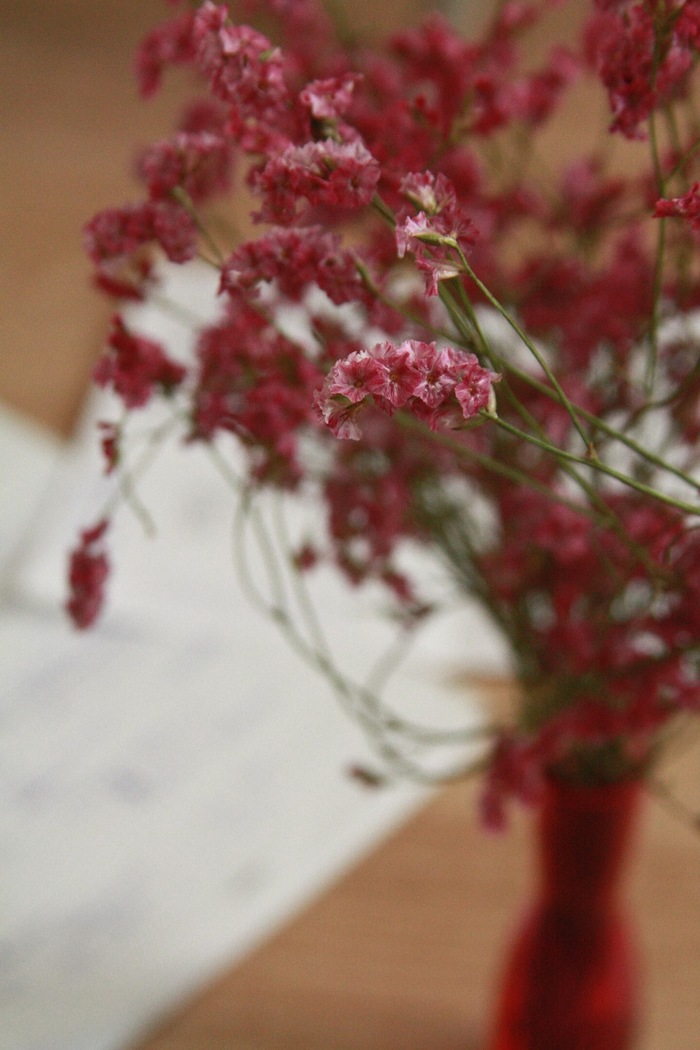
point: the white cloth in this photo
(173, 782)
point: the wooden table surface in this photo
(403, 953)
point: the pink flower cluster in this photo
(119, 232)
(438, 231)
(442, 387)
(134, 366)
(295, 260)
(325, 174)
(196, 162)
(644, 53)
(167, 45)
(254, 383)
(607, 652)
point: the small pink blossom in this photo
(167, 45)
(433, 234)
(432, 241)
(133, 365)
(340, 418)
(331, 98)
(396, 376)
(429, 192)
(436, 259)
(438, 371)
(356, 376)
(684, 207)
(196, 162)
(119, 232)
(452, 386)
(326, 173)
(475, 388)
(88, 569)
(244, 69)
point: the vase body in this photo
(571, 980)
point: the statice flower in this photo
(120, 232)
(448, 344)
(437, 232)
(197, 162)
(134, 367)
(327, 173)
(87, 575)
(295, 259)
(169, 44)
(442, 387)
(641, 59)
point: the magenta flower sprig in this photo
(445, 388)
(284, 598)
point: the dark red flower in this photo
(88, 570)
(133, 366)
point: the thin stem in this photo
(298, 579)
(185, 201)
(379, 722)
(589, 490)
(409, 315)
(599, 465)
(531, 347)
(652, 357)
(126, 491)
(493, 465)
(597, 422)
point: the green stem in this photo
(494, 466)
(126, 490)
(564, 400)
(652, 357)
(607, 515)
(380, 722)
(597, 464)
(598, 423)
(185, 201)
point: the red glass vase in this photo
(571, 981)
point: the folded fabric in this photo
(173, 783)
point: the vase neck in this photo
(584, 833)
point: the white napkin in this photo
(173, 783)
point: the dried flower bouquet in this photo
(500, 363)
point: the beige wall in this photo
(68, 122)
